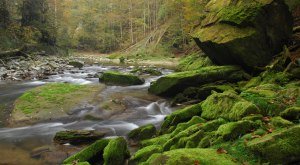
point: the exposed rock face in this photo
(243, 32)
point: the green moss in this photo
(180, 116)
(240, 15)
(260, 132)
(150, 71)
(193, 62)
(206, 127)
(281, 146)
(182, 126)
(280, 122)
(118, 78)
(142, 133)
(143, 154)
(160, 140)
(175, 83)
(253, 117)
(233, 130)
(77, 136)
(116, 152)
(51, 100)
(255, 81)
(88, 153)
(191, 156)
(227, 105)
(271, 98)
(191, 141)
(239, 151)
(292, 113)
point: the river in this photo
(33, 144)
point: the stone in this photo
(191, 156)
(243, 32)
(279, 147)
(77, 137)
(227, 105)
(142, 133)
(90, 153)
(118, 78)
(292, 113)
(175, 83)
(116, 152)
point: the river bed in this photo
(33, 144)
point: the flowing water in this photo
(33, 144)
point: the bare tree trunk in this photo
(131, 21)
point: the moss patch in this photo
(233, 130)
(143, 154)
(89, 153)
(191, 156)
(51, 101)
(142, 133)
(116, 152)
(118, 78)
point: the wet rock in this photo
(175, 83)
(116, 152)
(191, 156)
(142, 133)
(118, 78)
(279, 147)
(250, 35)
(91, 153)
(77, 137)
(150, 71)
(76, 64)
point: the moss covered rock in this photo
(160, 140)
(175, 83)
(76, 64)
(142, 133)
(52, 101)
(292, 113)
(232, 130)
(273, 99)
(249, 37)
(118, 78)
(227, 105)
(279, 122)
(191, 156)
(143, 154)
(182, 126)
(279, 147)
(91, 154)
(200, 93)
(77, 137)
(180, 116)
(116, 152)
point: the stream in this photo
(33, 144)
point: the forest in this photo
(149, 82)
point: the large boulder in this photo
(116, 152)
(243, 32)
(175, 83)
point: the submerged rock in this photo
(250, 35)
(279, 147)
(118, 78)
(191, 156)
(175, 83)
(77, 137)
